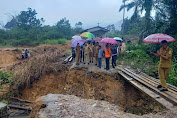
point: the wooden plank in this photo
(170, 92)
(66, 60)
(21, 100)
(145, 83)
(19, 107)
(153, 79)
(147, 91)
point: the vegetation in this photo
(5, 78)
(165, 21)
(27, 29)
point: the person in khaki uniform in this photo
(91, 49)
(96, 53)
(86, 53)
(78, 51)
(165, 55)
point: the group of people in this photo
(25, 53)
(90, 50)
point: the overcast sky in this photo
(89, 12)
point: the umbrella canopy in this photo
(109, 40)
(76, 37)
(118, 39)
(157, 38)
(98, 39)
(87, 35)
(76, 41)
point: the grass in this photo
(55, 41)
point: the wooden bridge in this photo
(148, 85)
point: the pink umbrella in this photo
(103, 45)
(109, 40)
(157, 38)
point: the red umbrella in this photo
(109, 40)
(157, 38)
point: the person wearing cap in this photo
(164, 68)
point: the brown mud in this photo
(93, 85)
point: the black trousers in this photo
(107, 63)
(114, 58)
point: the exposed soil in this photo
(8, 58)
(93, 85)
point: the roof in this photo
(97, 28)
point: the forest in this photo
(142, 24)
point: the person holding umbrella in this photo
(165, 55)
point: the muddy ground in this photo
(88, 84)
(45, 74)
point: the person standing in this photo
(114, 55)
(91, 48)
(73, 53)
(164, 68)
(81, 53)
(26, 53)
(86, 53)
(100, 54)
(107, 56)
(78, 50)
(96, 52)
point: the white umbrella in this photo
(118, 39)
(76, 37)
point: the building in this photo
(97, 31)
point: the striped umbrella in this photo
(157, 38)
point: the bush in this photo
(55, 41)
(4, 78)
(172, 79)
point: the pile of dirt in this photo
(8, 58)
(93, 85)
(69, 106)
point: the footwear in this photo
(92, 61)
(162, 90)
(95, 64)
(88, 63)
(159, 86)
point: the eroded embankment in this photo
(93, 85)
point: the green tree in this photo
(64, 28)
(139, 6)
(12, 23)
(78, 27)
(171, 9)
(27, 19)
